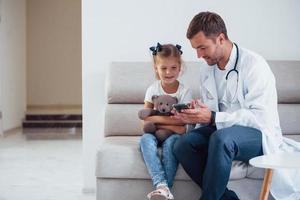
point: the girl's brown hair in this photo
(162, 51)
(166, 51)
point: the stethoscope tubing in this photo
(235, 64)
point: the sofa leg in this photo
(265, 188)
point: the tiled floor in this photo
(40, 169)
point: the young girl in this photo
(167, 66)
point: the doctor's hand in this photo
(198, 113)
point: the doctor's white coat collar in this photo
(209, 82)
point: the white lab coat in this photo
(255, 106)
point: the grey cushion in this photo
(119, 162)
(255, 173)
(289, 115)
(122, 119)
(136, 189)
(258, 173)
(128, 81)
(120, 157)
(293, 137)
(287, 75)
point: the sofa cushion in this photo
(255, 173)
(287, 75)
(126, 86)
(120, 157)
(289, 114)
(122, 119)
(258, 173)
(127, 81)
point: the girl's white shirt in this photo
(183, 94)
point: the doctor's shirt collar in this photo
(232, 58)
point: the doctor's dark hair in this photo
(211, 24)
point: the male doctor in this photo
(236, 116)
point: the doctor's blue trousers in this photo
(206, 154)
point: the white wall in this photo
(123, 31)
(1, 121)
(54, 52)
(12, 62)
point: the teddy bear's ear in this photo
(154, 97)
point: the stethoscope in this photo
(232, 91)
(231, 96)
(234, 70)
(227, 78)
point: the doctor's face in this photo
(207, 48)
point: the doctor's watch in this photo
(213, 118)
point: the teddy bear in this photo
(162, 105)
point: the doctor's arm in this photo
(260, 96)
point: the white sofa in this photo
(120, 170)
